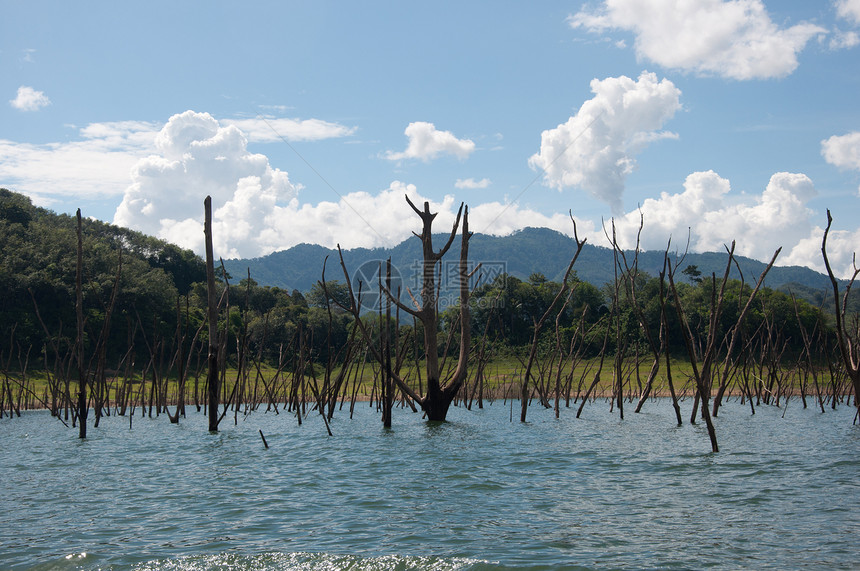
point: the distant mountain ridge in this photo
(528, 251)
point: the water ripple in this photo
(478, 492)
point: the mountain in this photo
(531, 250)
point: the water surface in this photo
(482, 491)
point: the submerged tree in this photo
(847, 331)
(212, 315)
(440, 392)
(703, 360)
(537, 324)
(79, 343)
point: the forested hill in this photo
(38, 263)
(532, 250)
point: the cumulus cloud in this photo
(196, 156)
(841, 250)
(256, 209)
(357, 219)
(595, 148)
(500, 219)
(252, 223)
(778, 217)
(365, 220)
(271, 129)
(842, 151)
(758, 223)
(735, 39)
(472, 183)
(29, 99)
(99, 161)
(426, 143)
(849, 10)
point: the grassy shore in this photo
(502, 378)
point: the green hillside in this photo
(38, 264)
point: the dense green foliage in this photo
(37, 270)
(511, 306)
(160, 286)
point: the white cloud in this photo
(500, 219)
(472, 183)
(735, 39)
(29, 99)
(842, 245)
(269, 129)
(849, 10)
(97, 165)
(759, 224)
(842, 151)
(595, 148)
(251, 223)
(256, 209)
(358, 219)
(196, 157)
(843, 40)
(364, 220)
(426, 143)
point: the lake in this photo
(482, 491)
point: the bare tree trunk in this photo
(596, 378)
(385, 341)
(538, 324)
(213, 377)
(79, 314)
(103, 394)
(847, 336)
(704, 374)
(440, 394)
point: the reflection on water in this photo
(479, 492)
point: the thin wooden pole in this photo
(212, 305)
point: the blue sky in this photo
(309, 121)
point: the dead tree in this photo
(483, 356)
(664, 325)
(538, 323)
(439, 393)
(703, 364)
(387, 385)
(79, 343)
(562, 355)
(620, 340)
(212, 316)
(810, 364)
(597, 373)
(735, 334)
(847, 334)
(630, 273)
